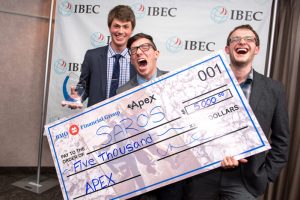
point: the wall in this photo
(23, 46)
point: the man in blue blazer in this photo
(97, 67)
(248, 178)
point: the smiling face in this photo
(145, 61)
(242, 48)
(120, 32)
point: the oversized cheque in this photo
(179, 125)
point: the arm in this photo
(278, 155)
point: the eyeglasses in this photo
(238, 39)
(142, 47)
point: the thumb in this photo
(73, 90)
(243, 160)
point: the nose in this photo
(121, 30)
(243, 41)
(139, 51)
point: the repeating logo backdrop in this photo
(183, 31)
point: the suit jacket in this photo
(94, 74)
(268, 103)
(133, 82)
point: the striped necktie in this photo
(115, 76)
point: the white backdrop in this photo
(182, 30)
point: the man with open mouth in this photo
(144, 55)
(248, 178)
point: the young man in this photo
(98, 67)
(144, 55)
(248, 178)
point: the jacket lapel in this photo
(257, 90)
(102, 60)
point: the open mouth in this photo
(241, 50)
(142, 62)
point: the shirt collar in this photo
(249, 78)
(141, 80)
(111, 52)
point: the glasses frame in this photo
(248, 39)
(143, 47)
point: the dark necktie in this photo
(115, 76)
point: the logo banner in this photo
(182, 30)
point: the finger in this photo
(63, 103)
(73, 92)
(226, 162)
(243, 160)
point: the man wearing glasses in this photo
(144, 55)
(248, 178)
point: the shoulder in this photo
(161, 72)
(130, 84)
(97, 51)
(267, 83)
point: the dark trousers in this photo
(169, 192)
(218, 184)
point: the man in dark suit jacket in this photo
(143, 55)
(248, 178)
(97, 67)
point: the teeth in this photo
(242, 50)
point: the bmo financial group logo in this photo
(174, 44)
(220, 14)
(67, 7)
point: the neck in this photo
(117, 49)
(241, 73)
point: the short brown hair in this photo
(245, 26)
(122, 13)
(139, 36)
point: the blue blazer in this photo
(94, 73)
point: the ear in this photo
(227, 49)
(157, 53)
(256, 50)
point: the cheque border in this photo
(218, 55)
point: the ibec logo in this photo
(98, 39)
(175, 44)
(74, 129)
(60, 66)
(220, 14)
(67, 7)
(141, 11)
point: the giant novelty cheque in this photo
(174, 127)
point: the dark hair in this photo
(122, 13)
(139, 36)
(245, 26)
